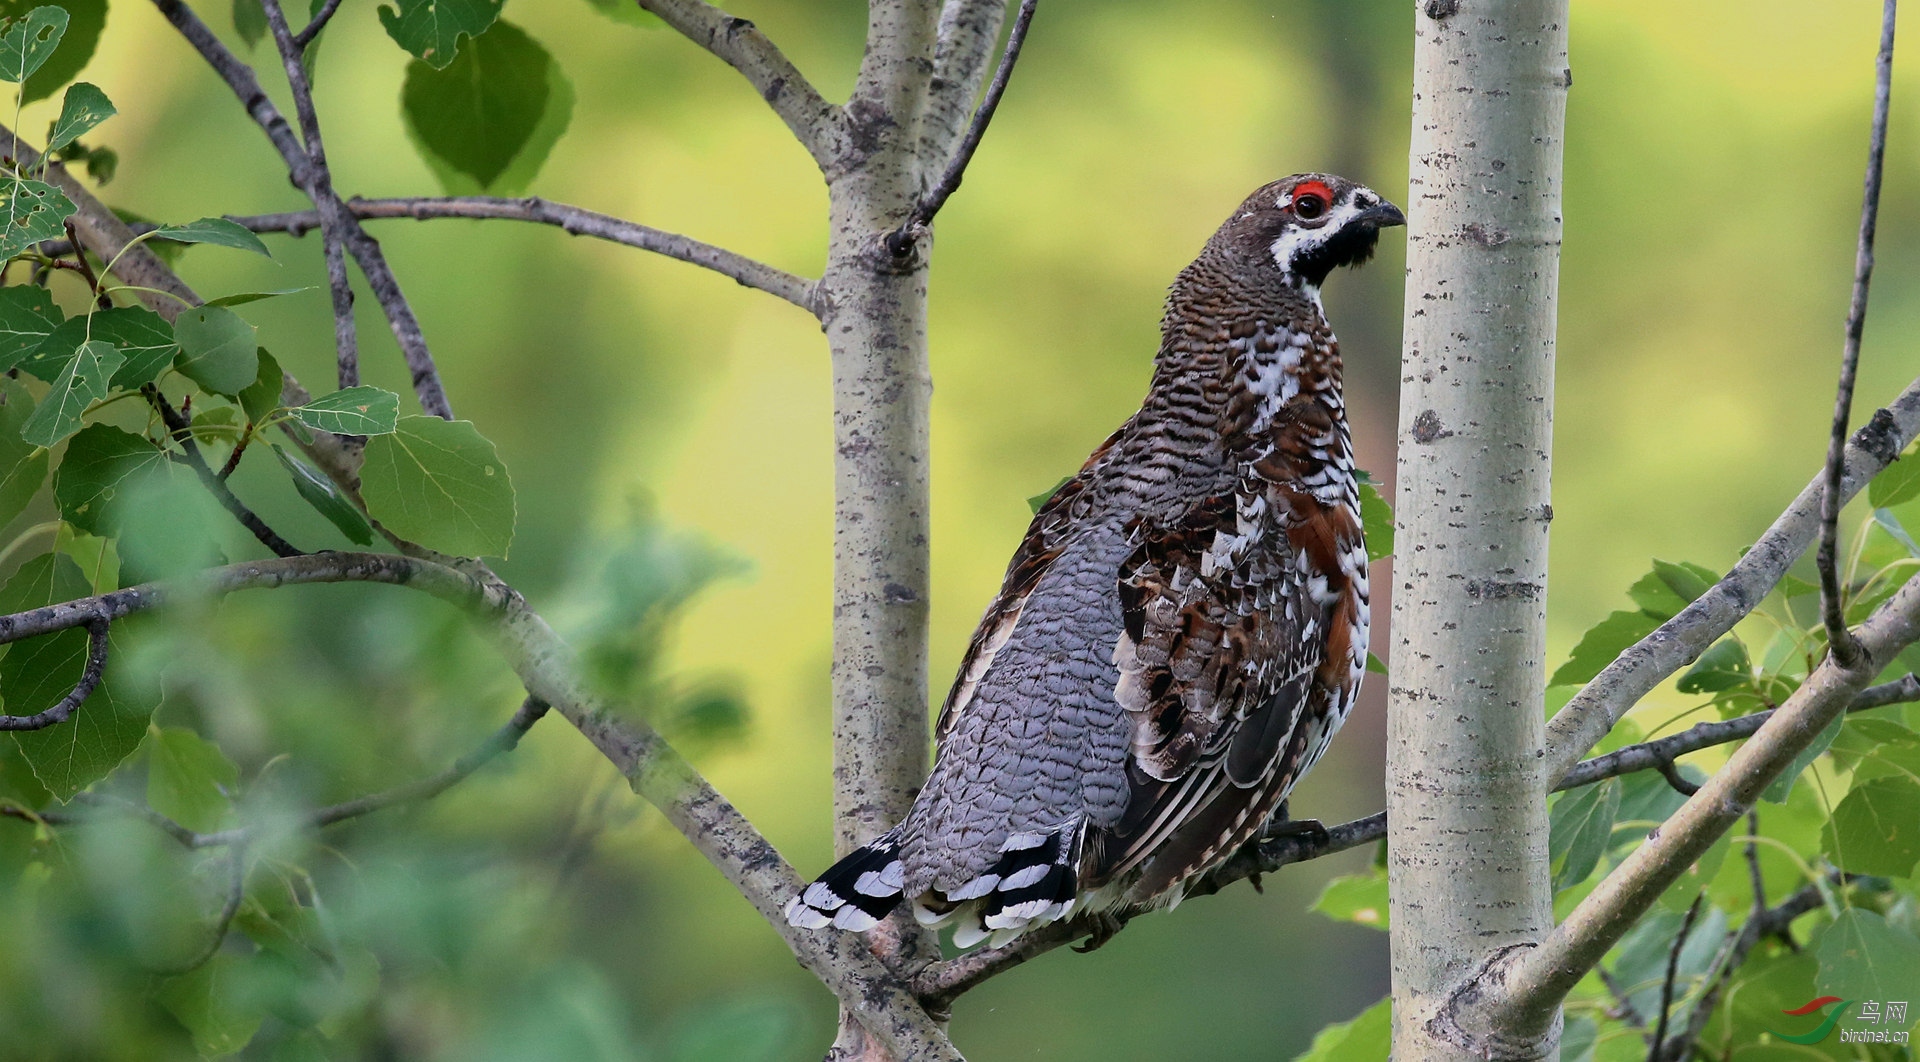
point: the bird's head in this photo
(1307, 225)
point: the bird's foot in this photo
(1281, 826)
(1102, 927)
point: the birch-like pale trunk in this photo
(1466, 796)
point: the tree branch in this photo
(90, 675)
(968, 31)
(1656, 1043)
(738, 43)
(1523, 990)
(317, 183)
(575, 221)
(505, 739)
(181, 431)
(546, 667)
(320, 20)
(1652, 755)
(1579, 726)
(900, 241)
(941, 983)
(236, 892)
(345, 339)
(1840, 641)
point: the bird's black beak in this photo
(1383, 215)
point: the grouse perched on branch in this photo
(1183, 628)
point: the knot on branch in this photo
(1879, 437)
(1463, 1018)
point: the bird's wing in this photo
(1234, 666)
(1046, 538)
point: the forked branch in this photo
(740, 44)
(1840, 642)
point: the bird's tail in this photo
(855, 893)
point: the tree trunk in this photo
(1465, 792)
(876, 324)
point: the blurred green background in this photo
(664, 417)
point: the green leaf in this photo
(1364, 1039)
(23, 466)
(1376, 665)
(627, 12)
(85, 21)
(1862, 957)
(487, 122)
(1376, 522)
(1890, 524)
(261, 397)
(82, 383)
(354, 411)
(1722, 667)
(1600, 645)
(432, 29)
(249, 21)
(219, 350)
(138, 333)
(101, 462)
(29, 42)
(215, 1003)
(37, 673)
(189, 779)
(1357, 898)
(1687, 579)
(32, 212)
(27, 316)
(217, 231)
(440, 484)
(1898, 482)
(320, 493)
(1782, 786)
(84, 107)
(1040, 500)
(241, 298)
(168, 525)
(1876, 828)
(1579, 827)
(143, 337)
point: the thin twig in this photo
(236, 891)
(1649, 755)
(345, 339)
(740, 44)
(1840, 641)
(90, 675)
(319, 22)
(181, 430)
(505, 739)
(1764, 923)
(900, 241)
(1681, 783)
(573, 220)
(318, 185)
(1656, 1044)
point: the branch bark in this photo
(1522, 996)
(576, 221)
(1464, 785)
(1840, 641)
(737, 42)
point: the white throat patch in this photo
(1295, 240)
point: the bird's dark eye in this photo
(1309, 207)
